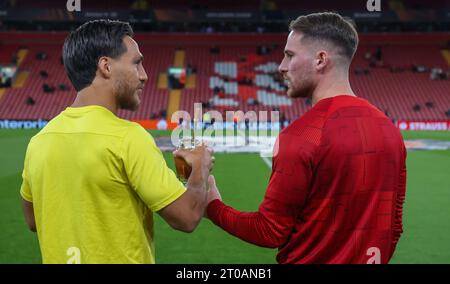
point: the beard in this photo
(126, 96)
(303, 88)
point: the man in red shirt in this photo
(338, 178)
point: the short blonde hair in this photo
(330, 27)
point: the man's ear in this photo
(104, 66)
(322, 60)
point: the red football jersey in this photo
(336, 191)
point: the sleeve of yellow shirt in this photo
(147, 170)
(25, 190)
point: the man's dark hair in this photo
(330, 27)
(92, 40)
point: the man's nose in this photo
(143, 76)
(282, 67)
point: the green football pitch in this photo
(242, 179)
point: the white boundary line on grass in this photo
(267, 161)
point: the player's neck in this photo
(331, 87)
(93, 95)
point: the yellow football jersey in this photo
(94, 180)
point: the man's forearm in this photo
(197, 189)
(251, 227)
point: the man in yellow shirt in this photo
(91, 181)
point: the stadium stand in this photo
(246, 80)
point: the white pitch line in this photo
(267, 161)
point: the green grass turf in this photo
(242, 179)
(17, 243)
(426, 237)
(434, 135)
(209, 244)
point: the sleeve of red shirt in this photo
(287, 191)
(398, 217)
